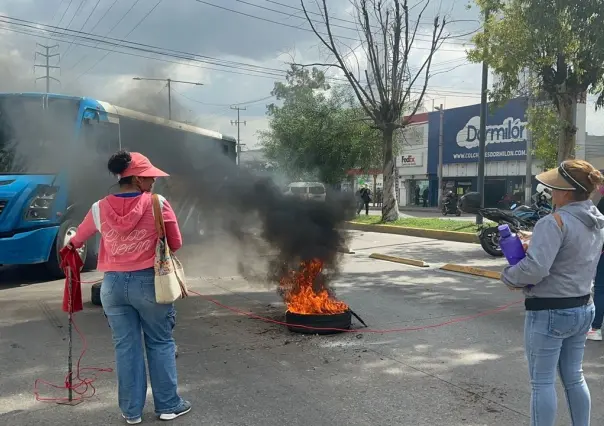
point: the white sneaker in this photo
(183, 409)
(594, 335)
(136, 421)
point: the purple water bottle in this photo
(511, 245)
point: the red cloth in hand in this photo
(71, 261)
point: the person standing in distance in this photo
(127, 255)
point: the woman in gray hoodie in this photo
(556, 277)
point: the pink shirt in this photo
(128, 235)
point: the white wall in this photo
(492, 168)
(413, 141)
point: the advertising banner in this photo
(506, 134)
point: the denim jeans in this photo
(555, 340)
(599, 295)
(128, 299)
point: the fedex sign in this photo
(410, 160)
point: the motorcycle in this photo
(489, 235)
(531, 214)
(450, 206)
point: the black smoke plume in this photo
(269, 227)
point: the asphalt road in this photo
(242, 371)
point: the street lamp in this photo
(169, 81)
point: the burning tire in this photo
(318, 323)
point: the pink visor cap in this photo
(141, 166)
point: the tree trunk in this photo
(567, 142)
(374, 188)
(390, 206)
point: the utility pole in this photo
(47, 65)
(238, 123)
(483, 127)
(169, 82)
(440, 152)
(528, 179)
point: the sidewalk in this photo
(410, 209)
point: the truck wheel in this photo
(95, 294)
(92, 253)
(66, 231)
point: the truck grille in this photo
(2, 205)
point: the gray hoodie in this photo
(561, 262)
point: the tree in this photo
(545, 131)
(386, 86)
(318, 131)
(561, 45)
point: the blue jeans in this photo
(555, 340)
(128, 299)
(599, 295)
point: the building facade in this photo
(505, 156)
(412, 162)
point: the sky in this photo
(240, 47)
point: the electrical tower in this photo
(238, 122)
(47, 65)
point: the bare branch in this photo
(331, 46)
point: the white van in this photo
(307, 190)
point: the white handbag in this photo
(170, 282)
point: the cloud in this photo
(239, 32)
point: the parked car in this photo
(307, 190)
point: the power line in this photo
(108, 32)
(299, 28)
(93, 28)
(54, 15)
(291, 15)
(65, 12)
(157, 50)
(126, 36)
(36, 28)
(81, 28)
(223, 105)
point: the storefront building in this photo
(412, 163)
(506, 144)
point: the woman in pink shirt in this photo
(126, 255)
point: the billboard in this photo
(507, 131)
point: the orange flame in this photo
(300, 295)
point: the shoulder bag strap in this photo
(160, 226)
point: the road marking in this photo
(485, 273)
(396, 259)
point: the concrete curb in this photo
(469, 270)
(459, 237)
(396, 259)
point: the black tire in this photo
(53, 265)
(489, 241)
(340, 321)
(458, 213)
(444, 210)
(95, 294)
(92, 253)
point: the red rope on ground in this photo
(362, 330)
(83, 385)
